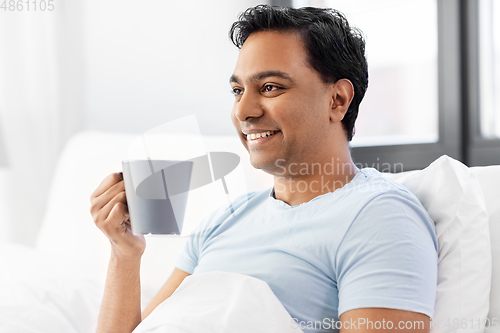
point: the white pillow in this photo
(489, 178)
(451, 194)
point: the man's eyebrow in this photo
(263, 75)
(234, 79)
(266, 74)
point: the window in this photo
(489, 62)
(401, 103)
(481, 82)
(459, 68)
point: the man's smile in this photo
(256, 134)
(259, 138)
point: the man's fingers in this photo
(104, 212)
(109, 210)
(115, 218)
(127, 222)
(99, 202)
(107, 183)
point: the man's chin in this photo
(257, 164)
(266, 165)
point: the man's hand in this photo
(110, 213)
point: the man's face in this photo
(276, 90)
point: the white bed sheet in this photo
(46, 293)
(220, 302)
(42, 293)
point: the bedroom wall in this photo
(151, 62)
(108, 65)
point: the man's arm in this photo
(121, 304)
(122, 295)
(388, 259)
(378, 320)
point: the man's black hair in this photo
(335, 49)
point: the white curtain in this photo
(41, 106)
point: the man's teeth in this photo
(254, 136)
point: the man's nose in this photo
(248, 107)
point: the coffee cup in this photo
(157, 193)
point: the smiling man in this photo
(342, 249)
(277, 90)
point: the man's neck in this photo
(306, 181)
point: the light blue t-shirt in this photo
(368, 244)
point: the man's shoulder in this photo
(372, 183)
(386, 208)
(375, 193)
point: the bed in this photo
(57, 285)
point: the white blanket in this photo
(220, 302)
(41, 293)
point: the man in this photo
(329, 239)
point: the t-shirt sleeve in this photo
(189, 256)
(388, 257)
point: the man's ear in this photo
(342, 94)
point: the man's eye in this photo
(270, 87)
(236, 91)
